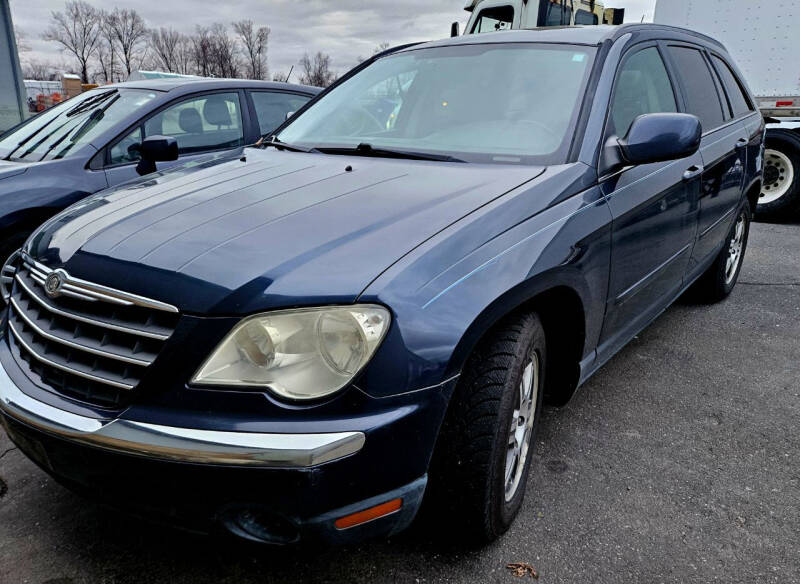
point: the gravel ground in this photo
(677, 462)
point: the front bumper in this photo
(293, 486)
(182, 444)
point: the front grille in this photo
(82, 340)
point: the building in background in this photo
(13, 104)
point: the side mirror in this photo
(156, 149)
(454, 30)
(660, 138)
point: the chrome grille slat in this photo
(82, 293)
(88, 320)
(99, 291)
(7, 273)
(72, 345)
(79, 373)
(84, 340)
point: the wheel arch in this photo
(752, 193)
(29, 218)
(561, 306)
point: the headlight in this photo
(298, 354)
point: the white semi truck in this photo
(764, 39)
(494, 15)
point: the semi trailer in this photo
(762, 37)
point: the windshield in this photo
(498, 103)
(58, 132)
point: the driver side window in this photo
(643, 87)
(200, 124)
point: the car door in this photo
(723, 149)
(654, 206)
(201, 124)
(272, 108)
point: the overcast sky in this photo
(346, 29)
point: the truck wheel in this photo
(780, 195)
(482, 462)
(720, 279)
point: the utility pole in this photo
(13, 106)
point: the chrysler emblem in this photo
(53, 284)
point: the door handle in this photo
(693, 172)
(741, 143)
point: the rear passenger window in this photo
(643, 87)
(702, 98)
(272, 108)
(739, 102)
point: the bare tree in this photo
(215, 52)
(165, 45)
(41, 70)
(183, 55)
(106, 52)
(22, 41)
(378, 49)
(76, 29)
(317, 70)
(225, 52)
(282, 76)
(202, 51)
(130, 33)
(254, 46)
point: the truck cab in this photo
(495, 15)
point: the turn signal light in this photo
(370, 514)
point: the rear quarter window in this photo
(740, 104)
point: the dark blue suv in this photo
(370, 308)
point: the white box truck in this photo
(494, 15)
(764, 40)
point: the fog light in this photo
(370, 514)
(262, 526)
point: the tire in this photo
(7, 249)
(476, 487)
(779, 199)
(720, 279)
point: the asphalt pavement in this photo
(678, 462)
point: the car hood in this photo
(266, 230)
(9, 169)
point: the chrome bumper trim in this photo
(179, 444)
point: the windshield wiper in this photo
(275, 143)
(365, 149)
(86, 104)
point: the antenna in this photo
(290, 74)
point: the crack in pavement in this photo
(7, 451)
(770, 283)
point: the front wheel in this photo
(779, 199)
(481, 465)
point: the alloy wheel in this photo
(735, 249)
(519, 435)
